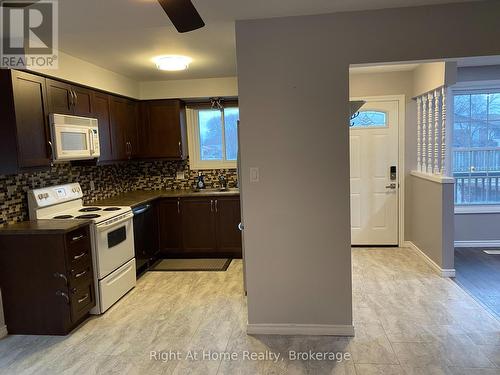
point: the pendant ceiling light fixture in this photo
(172, 62)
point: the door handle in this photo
(216, 206)
(180, 149)
(75, 100)
(391, 186)
(178, 206)
(211, 205)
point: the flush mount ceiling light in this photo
(172, 62)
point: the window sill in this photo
(197, 166)
(477, 209)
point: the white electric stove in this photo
(112, 237)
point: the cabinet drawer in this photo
(82, 299)
(78, 238)
(80, 273)
(79, 255)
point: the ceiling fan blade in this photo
(183, 14)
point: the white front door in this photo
(375, 174)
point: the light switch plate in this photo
(180, 175)
(254, 174)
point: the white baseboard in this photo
(444, 272)
(492, 243)
(301, 329)
(3, 331)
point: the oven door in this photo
(72, 142)
(114, 243)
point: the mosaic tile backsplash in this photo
(109, 180)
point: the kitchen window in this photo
(476, 149)
(213, 138)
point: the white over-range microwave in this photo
(74, 138)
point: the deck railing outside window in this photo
(476, 147)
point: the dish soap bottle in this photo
(200, 184)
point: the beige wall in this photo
(430, 76)
(293, 92)
(85, 73)
(190, 88)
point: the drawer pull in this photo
(84, 298)
(80, 274)
(62, 294)
(76, 257)
(76, 238)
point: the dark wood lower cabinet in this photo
(169, 213)
(46, 279)
(200, 227)
(227, 219)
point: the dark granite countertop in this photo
(138, 197)
(43, 226)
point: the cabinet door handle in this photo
(216, 206)
(64, 295)
(211, 205)
(72, 101)
(80, 274)
(51, 148)
(180, 149)
(84, 298)
(76, 238)
(75, 100)
(130, 144)
(178, 206)
(76, 257)
(62, 276)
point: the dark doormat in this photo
(217, 264)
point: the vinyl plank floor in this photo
(479, 274)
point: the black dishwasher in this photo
(146, 241)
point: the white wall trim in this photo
(490, 243)
(433, 177)
(444, 272)
(3, 331)
(301, 329)
(401, 99)
(477, 209)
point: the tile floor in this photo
(408, 320)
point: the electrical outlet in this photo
(180, 175)
(92, 185)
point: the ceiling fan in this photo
(183, 14)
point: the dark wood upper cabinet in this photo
(227, 219)
(59, 97)
(100, 110)
(68, 99)
(24, 134)
(124, 116)
(198, 225)
(163, 129)
(169, 213)
(82, 101)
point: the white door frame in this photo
(401, 99)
